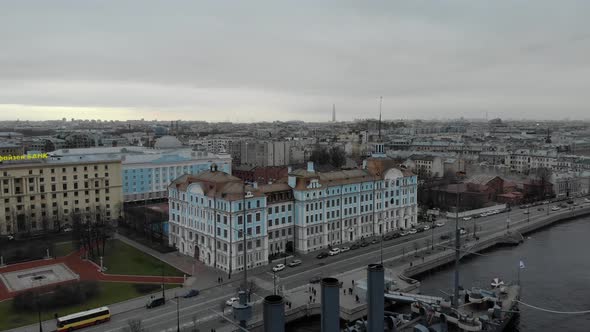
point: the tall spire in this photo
(333, 112)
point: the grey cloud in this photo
(427, 58)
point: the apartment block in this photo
(41, 195)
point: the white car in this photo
(231, 301)
(344, 249)
(278, 267)
(334, 251)
(403, 233)
(440, 224)
(467, 218)
(412, 231)
(462, 231)
(555, 208)
(426, 227)
(587, 200)
(485, 214)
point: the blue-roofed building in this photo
(148, 172)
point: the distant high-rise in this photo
(333, 112)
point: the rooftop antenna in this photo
(380, 105)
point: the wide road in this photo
(205, 309)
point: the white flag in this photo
(521, 264)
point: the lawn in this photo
(121, 258)
(63, 248)
(111, 292)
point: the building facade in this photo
(44, 195)
(211, 212)
(146, 172)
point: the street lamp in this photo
(177, 312)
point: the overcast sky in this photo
(283, 60)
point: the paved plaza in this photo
(37, 277)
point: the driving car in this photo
(322, 255)
(155, 301)
(334, 251)
(278, 267)
(445, 237)
(231, 301)
(294, 262)
(191, 293)
(344, 249)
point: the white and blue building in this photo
(308, 211)
(147, 172)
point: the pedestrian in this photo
(422, 259)
(352, 282)
(357, 298)
(411, 264)
(221, 279)
(344, 291)
(289, 304)
(310, 297)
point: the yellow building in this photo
(38, 195)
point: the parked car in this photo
(555, 208)
(403, 233)
(587, 200)
(155, 302)
(526, 212)
(396, 235)
(191, 293)
(439, 224)
(571, 201)
(322, 254)
(426, 227)
(387, 237)
(315, 280)
(334, 251)
(294, 263)
(420, 229)
(445, 237)
(374, 241)
(467, 218)
(462, 231)
(231, 301)
(67, 229)
(412, 231)
(540, 209)
(354, 246)
(364, 244)
(278, 267)
(344, 249)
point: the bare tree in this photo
(134, 325)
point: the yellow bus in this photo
(83, 319)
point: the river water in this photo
(556, 276)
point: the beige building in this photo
(38, 195)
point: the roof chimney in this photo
(274, 313)
(375, 302)
(310, 166)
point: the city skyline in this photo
(246, 63)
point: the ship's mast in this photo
(457, 248)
